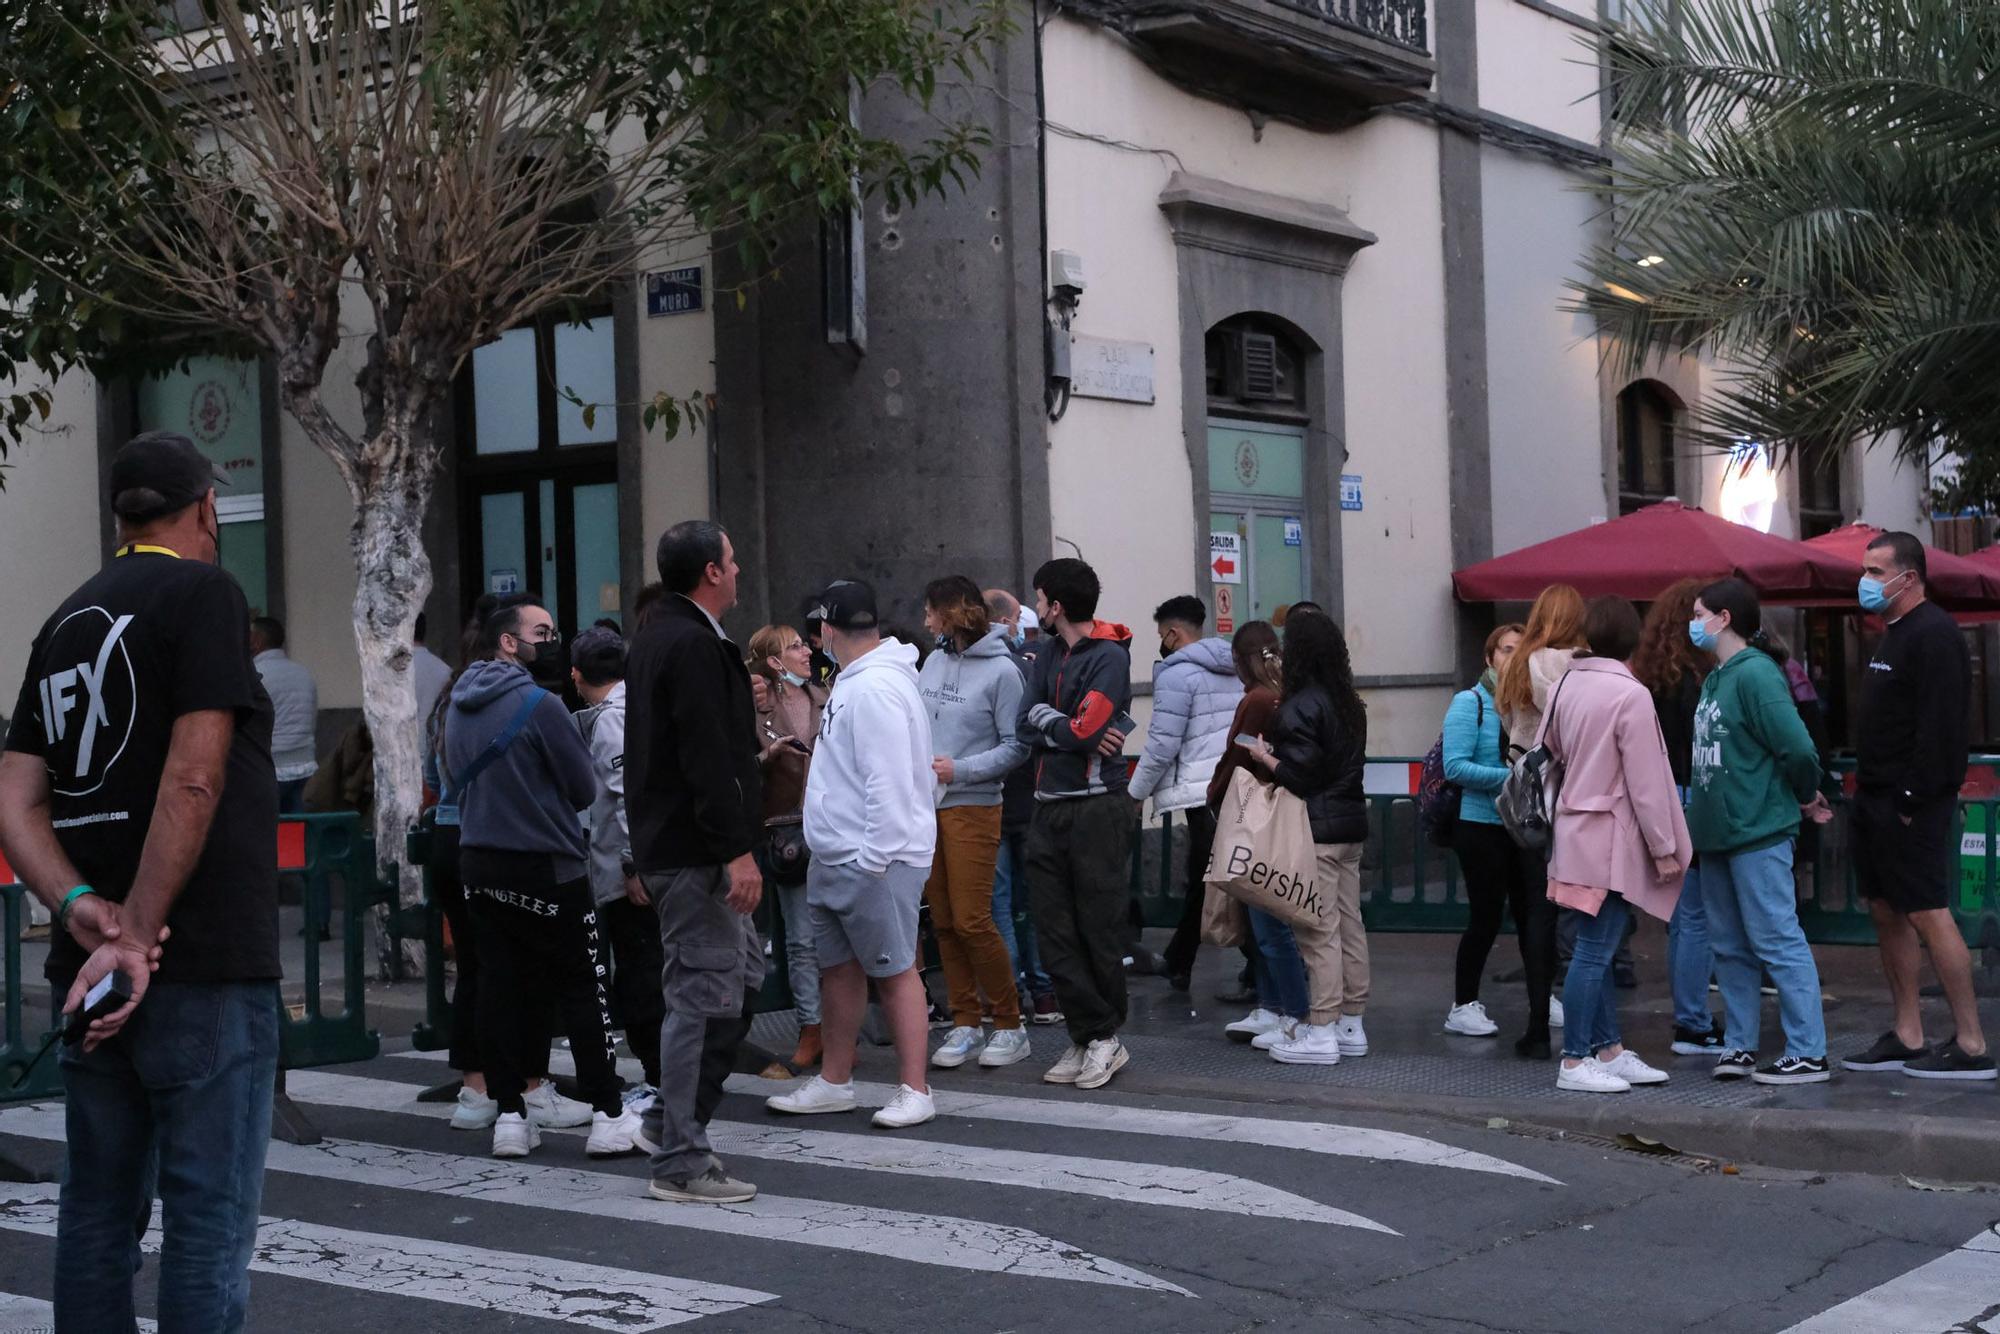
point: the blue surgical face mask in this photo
(1874, 593)
(791, 678)
(1700, 634)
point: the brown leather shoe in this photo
(809, 1049)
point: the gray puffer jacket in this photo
(1195, 694)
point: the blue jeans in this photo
(178, 1105)
(1009, 874)
(1590, 1002)
(1753, 917)
(1689, 959)
(1277, 969)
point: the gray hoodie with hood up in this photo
(973, 699)
(528, 799)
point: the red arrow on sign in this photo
(1224, 566)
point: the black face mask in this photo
(1165, 651)
(550, 663)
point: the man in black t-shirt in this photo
(1910, 760)
(139, 802)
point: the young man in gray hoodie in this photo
(972, 690)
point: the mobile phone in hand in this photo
(1125, 723)
(1248, 742)
(110, 994)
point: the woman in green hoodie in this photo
(1755, 775)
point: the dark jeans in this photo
(292, 796)
(636, 961)
(1187, 935)
(178, 1105)
(1500, 877)
(537, 943)
(1079, 853)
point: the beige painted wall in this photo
(676, 357)
(1536, 68)
(48, 524)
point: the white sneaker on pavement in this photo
(1101, 1060)
(1632, 1070)
(960, 1045)
(475, 1111)
(552, 1111)
(1259, 1020)
(1555, 1011)
(1006, 1047)
(1312, 1044)
(613, 1135)
(1470, 1020)
(514, 1136)
(1067, 1067)
(1286, 1030)
(639, 1097)
(909, 1108)
(1589, 1076)
(817, 1095)
(1353, 1037)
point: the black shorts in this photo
(1910, 868)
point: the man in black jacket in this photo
(694, 800)
(1909, 762)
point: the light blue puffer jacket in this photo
(1195, 693)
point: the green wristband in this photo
(69, 901)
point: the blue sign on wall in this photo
(675, 292)
(1350, 491)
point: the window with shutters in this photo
(1253, 366)
(1647, 416)
(1259, 528)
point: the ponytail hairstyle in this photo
(1746, 613)
(1555, 621)
(1255, 653)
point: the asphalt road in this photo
(1019, 1210)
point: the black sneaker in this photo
(1887, 1054)
(1949, 1061)
(1795, 1070)
(1687, 1042)
(1735, 1064)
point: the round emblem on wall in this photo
(1248, 465)
(208, 412)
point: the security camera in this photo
(1066, 275)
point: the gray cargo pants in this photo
(714, 962)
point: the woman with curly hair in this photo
(1673, 669)
(1318, 740)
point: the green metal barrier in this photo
(19, 1047)
(329, 848)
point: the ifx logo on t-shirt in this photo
(88, 703)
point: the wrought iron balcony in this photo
(1321, 63)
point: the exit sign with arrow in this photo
(1225, 557)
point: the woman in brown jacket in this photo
(788, 711)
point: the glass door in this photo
(554, 537)
(1257, 528)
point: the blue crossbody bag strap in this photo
(494, 750)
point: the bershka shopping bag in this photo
(1222, 920)
(1264, 854)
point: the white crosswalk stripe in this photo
(594, 1296)
(959, 1243)
(1959, 1290)
(1111, 1179)
(32, 1315)
(1321, 1137)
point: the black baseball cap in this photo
(159, 473)
(844, 604)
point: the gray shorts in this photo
(869, 918)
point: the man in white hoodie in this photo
(871, 823)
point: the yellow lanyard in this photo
(139, 548)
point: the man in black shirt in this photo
(1909, 763)
(139, 802)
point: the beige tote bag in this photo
(1264, 854)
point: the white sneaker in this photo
(1589, 1076)
(1632, 1070)
(1101, 1060)
(1250, 1025)
(613, 1135)
(1555, 1012)
(1353, 1037)
(1313, 1044)
(1006, 1047)
(1067, 1067)
(552, 1111)
(640, 1097)
(910, 1108)
(514, 1136)
(1470, 1020)
(817, 1095)
(1286, 1030)
(475, 1111)
(959, 1047)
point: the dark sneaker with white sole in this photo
(1734, 1064)
(1795, 1070)
(1949, 1061)
(1687, 1042)
(1888, 1054)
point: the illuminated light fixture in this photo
(1650, 260)
(1750, 488)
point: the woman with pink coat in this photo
(1620, 840)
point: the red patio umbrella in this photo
(1639, 555)
(1957, 583)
